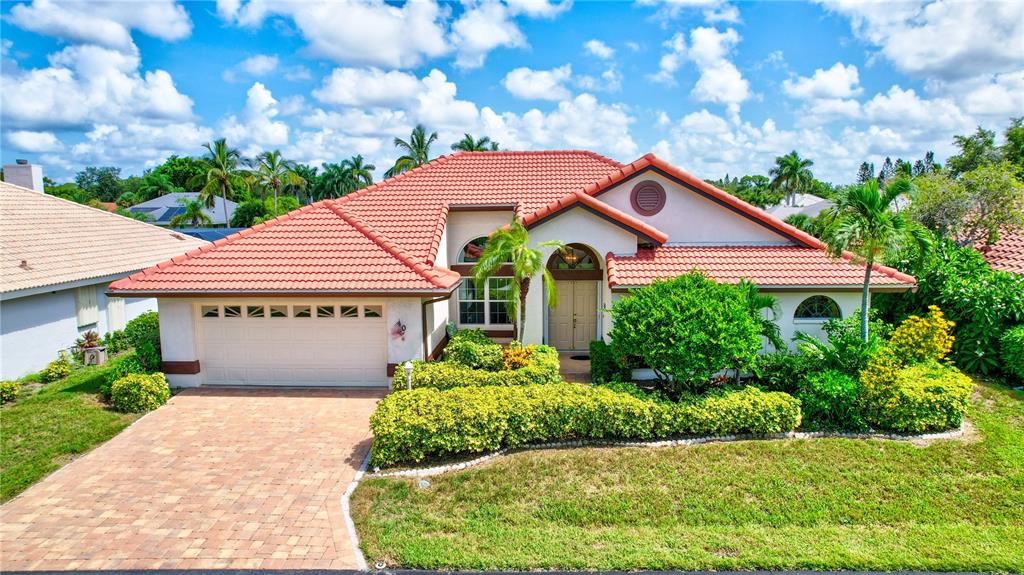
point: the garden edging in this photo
(439, 469)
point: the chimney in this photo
(21, 173)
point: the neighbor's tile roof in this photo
(48, 241)
(763, 265)
(1007, 254)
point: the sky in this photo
(714, 87)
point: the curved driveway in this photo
(217, 478)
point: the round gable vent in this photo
(648, 198)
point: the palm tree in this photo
(511, 246)
(791, 174)
(274, 172)
(758, 303)
(194, 214)
(468, 144)
(335, 181)
(156, 184)
(360, 173)
(222, 176)
(866, 224)
(309, 175)
(417, 151)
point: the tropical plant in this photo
(417, 151)
(273, 172)
(470, 144)
(759, 302)
(791, 174)
(194, 214)
(976, 150)
(977, 207)
(127, 200)
(223, 175)
(843, 349)
(511, 246)
(866, 225)
(248, 213)
(155, 184)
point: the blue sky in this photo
(714, 87)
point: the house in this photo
(806, 204)
(1007, 253)
(57, 259)
(342, 291)
(162, 209)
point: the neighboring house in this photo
(209, 234)
(1007, 254)
(342, 291)
(162, 209)
(57, 259)
(807, 204)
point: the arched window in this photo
(572, 258)
(818, 307)
(470, 253)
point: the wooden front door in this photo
(572, 325)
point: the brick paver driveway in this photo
(215, 478)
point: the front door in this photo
(572, 325)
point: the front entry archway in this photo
(572, 324)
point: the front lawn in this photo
(44, 431)
(795, 504)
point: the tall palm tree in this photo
(274, 172)
(222, 176)
(194, 214)
(335, 181)
(791, 174)
(468, 144)
(866, 224)
(511, 246)
(360, 172)
(309, 175)
(417, 151)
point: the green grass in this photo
(794, 504)
(41, 432)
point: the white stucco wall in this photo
(33, 329)
(849, 303)
(689, 217)
(462, 227)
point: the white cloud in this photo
(946, 38)
(366, 32)
(255, 130)
(599, 49)
(609, 81)
(539, 8)
(438, 107)
(720, 81)
(136, 145)
(367, 87)
(298, 74)
(107, 24)
(839, 81)
(671, 59)
(904, 108)
(528, 84)
(253, 66)
(483, 27)
(29, 141)
(713, 10)
(1000, 97)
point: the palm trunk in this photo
(275, 202)
(864, 300)
(224, 204)
(524, 288)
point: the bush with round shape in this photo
(126, 364)
(829, 400)
(686, 329)
(918, 339)
(475, 335)
(9, 390)
(138, 393)
(1011, 347)
(144, 329)
(57, 369)
(542, 368)
(474, 355)
(410, 426)
(920, 398)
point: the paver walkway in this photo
(577, 370)
(236, 478)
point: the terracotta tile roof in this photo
(763, 265)
(46, 241)
(1007, 254)
(320, 248)
(580, 199)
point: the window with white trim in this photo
(817, 308)
(484, 304)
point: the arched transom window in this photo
(572, 258)
(818, 307)
(471, 252)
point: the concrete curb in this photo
(349, 524)
(439, 469)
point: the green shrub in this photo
(781, 371)
(148, 356)
(476, 336)
(541, 369)
(138, 393)
(471, 354)
(605, 367)
(127, 364)
(57, 369)
(843, 349)
(144, 329)
(116, 341)
(1011, 347)
(686, 329)
(9, 390)
(923, 397)
(830, 400)
(635, 390)
(410, 426)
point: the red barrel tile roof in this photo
(763, 265)
(1007, 254)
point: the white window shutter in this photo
(115, 313)
(85, 306)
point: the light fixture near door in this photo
(647, 198)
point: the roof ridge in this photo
(377, 185)
(393, 249)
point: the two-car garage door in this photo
(293, 344)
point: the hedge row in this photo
(409, 426)
(541, 369)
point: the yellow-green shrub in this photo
(57, 369)
(542, 368)
(472, 354)
(138, 392)
(925, 338)
(516, 356)
(923, 397)
(9, 390)
(410, 426)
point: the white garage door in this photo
(293, 344)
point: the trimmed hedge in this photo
(1011, 347)
(830, 400)
(542, 369)
(473, 355)
(919, 398)
(137, 392)
(409, 426)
